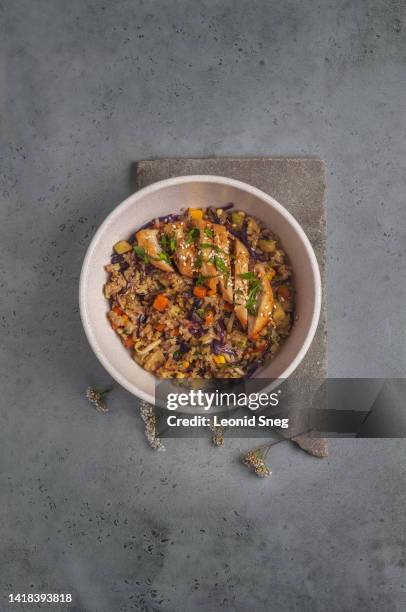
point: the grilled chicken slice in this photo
(148, 240)
(185, 254)
(207, 268)
(241, 264)
(266, 301)
(223, 244)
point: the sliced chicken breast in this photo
(266, 301)
(206, 254)
(185, 253)
(148, 240)
(222, 242)
(241, 265)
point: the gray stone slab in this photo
(297, 183)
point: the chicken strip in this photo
(185, 251)
(148, 240)
(241, 264)
(265, 307)
(221, 241)
(206, 253)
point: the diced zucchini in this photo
(271, 274)
(122, 247)
(278, 314)
(267, 246)
(237, 218)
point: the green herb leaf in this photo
(206, 245)
(218, 250)
(248, 276)
(255, 287)
(201, 279)
(198, 263)
(209, 232)
(193, 235)
(164, 257)
(172, 244)
(140, 252)
(220, 265)
(176, 355)
(168, 243)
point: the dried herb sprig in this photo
(149, 417)
(218, 434)
(97, 397)
(255, 459)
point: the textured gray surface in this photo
(86, 88)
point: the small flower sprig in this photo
(255, 459)
(97, 397)
(149, 417)
(218, 434)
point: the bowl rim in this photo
(178, 180)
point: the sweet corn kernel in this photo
(195, 213)
(186, 363)
(219, 359)
(122, 247)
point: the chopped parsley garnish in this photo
(254, 288)
(206, 245)
(140, 252)
(177, 355)
(220, 265)
(193, 235)
(164, 257)
(168, 243)
(201, 279)
(248, 276)
(198, 262)
(209, 232)
(218, 250)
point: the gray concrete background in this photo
(86, 88)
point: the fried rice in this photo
(207, 293)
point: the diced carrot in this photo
(118, 311)
(160, 302)
(228, 307)
(195, 213)
(160, 327)
(176, 331)
(199, 291)
(212, 285)
(128, 342)
(209, 318)
(284, 292)
(113, 325)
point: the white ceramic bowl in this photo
(170, 196)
